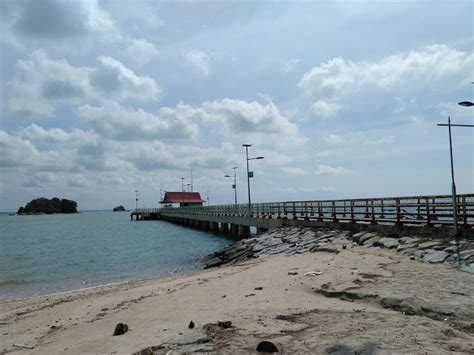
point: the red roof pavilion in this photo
(183, 198)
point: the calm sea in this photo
(43, 254)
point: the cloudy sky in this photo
(100, 97)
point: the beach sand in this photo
(363, 299)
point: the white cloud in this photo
(124, 123)
(114, 79)
(40, 83)
(327, 170)
(39, 135)
(290, 65)
(198, 60)
(141, 51)
(293, 170)
(334, 139)
(383, 140)
(430, 64)
(15, 152)
(251, 119)
(325, 109)
(55, 20)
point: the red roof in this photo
(182, 197)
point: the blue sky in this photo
(99, 98)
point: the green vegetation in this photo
(119, 209)
(44, 205)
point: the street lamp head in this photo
(227, 176)
(466, 103)
(234, 167)
(246, 145)
(259, 157)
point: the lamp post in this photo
(249, 173)
(235, 184)
(453, 184)
(136, 199)
(182, 184)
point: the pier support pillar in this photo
(234, 230)
(243, 231)
(214, 226)
(224, 228)
(261, 230)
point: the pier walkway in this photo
(423, 215)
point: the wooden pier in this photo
(423, 215)
(146, 214)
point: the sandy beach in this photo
(364, 300)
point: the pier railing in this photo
(411, 210)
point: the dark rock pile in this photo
(296, 240)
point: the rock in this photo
(467, 253)
(389, 243)
(421, 253)
(412, 257)
(120, 328)
(371, 241)
(435, 258)
(408, 240)
(451, 249)
(292, 273)
(428, 245)
(467, 268)
(408, 251)
(313, 273)
(403, 247)
(356, 236)
(191, 325)
(365, 237)
(259, 288)
(344, 246)
(324, 249)
(267, 347)
(224, 324)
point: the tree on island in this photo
(44, 205)
(119, 209)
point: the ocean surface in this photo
(44, 254)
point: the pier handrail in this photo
(420, 210)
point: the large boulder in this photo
(389, 243)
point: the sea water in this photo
(43, 254)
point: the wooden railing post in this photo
(294, 211)
(428, 216)
(306, 211)
(373, 212)
(382, 210)
(352, 211)
(464, 210)
(334, 217)
(398, 209)
(320, 214)
(366, 209)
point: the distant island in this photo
(44, 205)
(119, 209)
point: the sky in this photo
(99, 98)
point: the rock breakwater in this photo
(295, 240)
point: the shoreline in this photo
(175, 274)
(358, 298)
